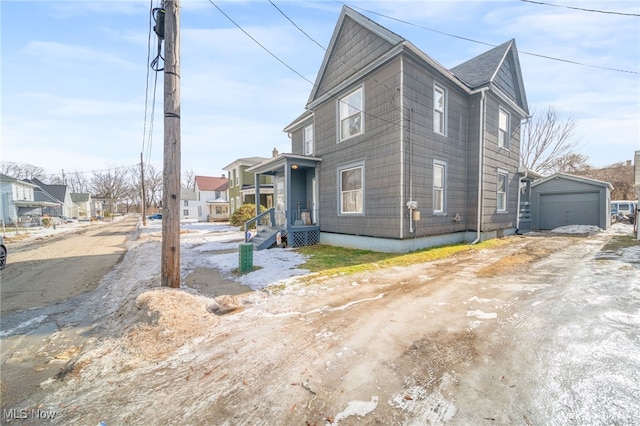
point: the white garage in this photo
(562, 200)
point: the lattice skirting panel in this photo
(303, 238)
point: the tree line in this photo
(120, 186)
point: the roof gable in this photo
(574, 178)
(353, 35)
(55, 192)
(210, 183)
(499, 68)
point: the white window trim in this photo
(305, 142)
(504, 173)
(507, 141)
(442, 164)
(445, 115)
(361, 112)
(340, 170)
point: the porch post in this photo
(287, 188)
(257, 184)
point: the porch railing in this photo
(261, 219)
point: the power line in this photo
(296, 72)
(580, 8)
(492, 45)
(260, 44)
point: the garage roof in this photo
(573, 178)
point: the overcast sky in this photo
(74, 74)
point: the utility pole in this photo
(144, 197)
(171, 172)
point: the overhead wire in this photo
(294, 70)
(490, 44)
(581, 8)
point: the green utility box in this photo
(246, 257)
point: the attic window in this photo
(439, 109)
(503, 129)
(351, 116)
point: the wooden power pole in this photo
(171, 171)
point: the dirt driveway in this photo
(532, 332)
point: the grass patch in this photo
(330, 260)
(619, 242)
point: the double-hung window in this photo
(351, 181)
(351, 115)
(503, 128)
(439, 109)
(502, 187)
(308, 140)
(439, 186)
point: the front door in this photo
(279, 194)
(314, 201)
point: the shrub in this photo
(243, 214)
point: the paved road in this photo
(42, 291)
(49, 272)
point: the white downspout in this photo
(480, 167)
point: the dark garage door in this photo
(569, 209)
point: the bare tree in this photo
(548, 143)
(21, 170)
(189, 179)
(153, 185)
(619, 175)
(77, 182)
(111, 185)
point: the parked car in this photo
(156, 216)
(3, 253)
(623, 211)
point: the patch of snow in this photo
(482, 315)
(577, 229)
(357, 408)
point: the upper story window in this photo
(501, 196)
(308, 140)
(351, 115)
(351, 190)
(439, 186)
(186, 203)
(503, 128)
(439, 109)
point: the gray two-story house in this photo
(395, 152)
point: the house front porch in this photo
(293, 218)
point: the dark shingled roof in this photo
(480, 70)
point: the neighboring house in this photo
(189, 205)
(58, 194)
(395, 152)
(83, 206)
(211, 194)
(562, 199)
(242, 184)
(18, 203)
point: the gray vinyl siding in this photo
(355, 47)
(500, 158)
(379, 150)
(506, 81)
(472, 151)
(429, 145)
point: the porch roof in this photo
(272, 165)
